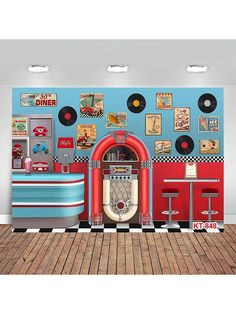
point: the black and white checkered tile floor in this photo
(83, 226)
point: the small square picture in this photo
(209, 146)
(116, 120)
(208, 124)
(91, 105)
(182, 119)
(153, 124)
(164, 101)
(162, 147)
(86, 136)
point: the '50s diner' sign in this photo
(40, 100)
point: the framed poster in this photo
(38, 100)
(153, 124)
(164, 101)
(209, 146)
(208, 124)
(19, 126)
(162, 147)
(181, 119)
(91, 105)
(86, 136)
(116, 120)
(190, 170)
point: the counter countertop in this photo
(45, 177)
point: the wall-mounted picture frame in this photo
(20, 126)
(162, 147)
(182, 118)
(153, 124)
(208, 124)
(116, 120)
(208, 147)
(38, 100)
(86, 136)
(164, 101)
(91, 105)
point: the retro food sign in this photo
(38, 100)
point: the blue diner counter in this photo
(47, 200)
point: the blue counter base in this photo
(49, 222)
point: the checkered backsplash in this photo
(89, 116)
(163, 158)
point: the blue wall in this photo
(115, 100)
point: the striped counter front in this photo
(47, 200)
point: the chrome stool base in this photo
(171, 225)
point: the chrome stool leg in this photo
(170, 224)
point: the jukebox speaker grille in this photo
(120, 192)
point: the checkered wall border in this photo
(89, 116)
(187, 159)
(163, 158)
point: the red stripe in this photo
(63, 206)
(54, 182)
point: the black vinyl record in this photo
(207, 103)
(67, 116)
(136, 103)
(184, 144)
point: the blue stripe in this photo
(63, 194)
(46, 212)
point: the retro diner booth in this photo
(138, 156)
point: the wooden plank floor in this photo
(118, 253)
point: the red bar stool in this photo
(210, 193)
(170, 193)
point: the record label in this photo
(207, 103)
(136, 103)
(184, 144)
(67, 116)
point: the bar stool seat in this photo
(209, 193)
(170, 193)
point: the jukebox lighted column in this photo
(96, 180)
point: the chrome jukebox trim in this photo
(94, 164)
(146, 164)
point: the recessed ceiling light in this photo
(117, 68)
(38, 68)
(196, 68)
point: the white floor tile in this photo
(34, 230)
(122, 226)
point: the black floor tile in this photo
(174, 230)
(97, 230)
(20, 230)
(84, 224)
(148, 229)
(122, 230)
(158, 224)
(221, 230)
(71, 230)
(203, 230)
(45, 230)
(108, 225)
(136, 226)
(184, 224)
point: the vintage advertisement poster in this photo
(162, 147)
(164, 101)
(153, 124)
(208, 124)
(91, 105)
(38, 100)
(86, 136)
(19, 126)
(116, 120)
(209, 146)
(182, 119)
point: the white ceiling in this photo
(84, 62)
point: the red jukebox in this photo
(120, 180)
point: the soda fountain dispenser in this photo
(66, 148)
